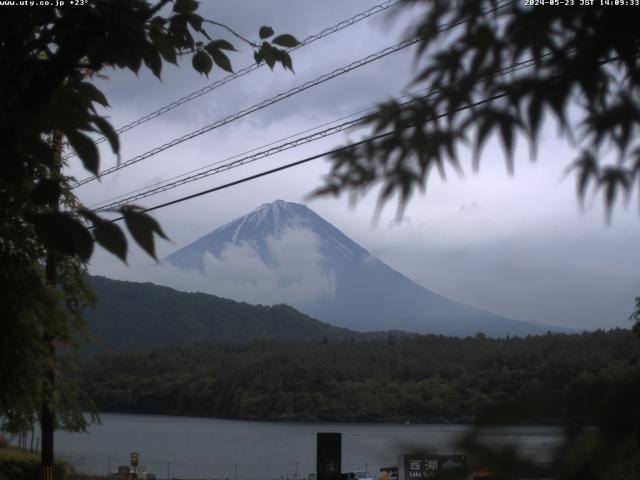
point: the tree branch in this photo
(249, 42)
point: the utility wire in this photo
(258, 106)
(237, 163)
(249, 68)
(320, 155)
(306, 160)
(213, 169)
(243, 158)
(218, 162)
(281, 96)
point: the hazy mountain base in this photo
(427, 379)
(353, 288)
(134, 316)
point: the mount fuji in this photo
(355, 290)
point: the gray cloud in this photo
(239, 272)
(523, 250)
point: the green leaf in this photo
(265, 32)
(506, 134)
(482, 133)
(587, 169)
(152, 59)
(142, 227)
(535, 115)
(196, 21)
(220, 58)
(92, 92)
(185, 6)
(46, 192)
(107, 131)
(222, 45)
(108, 234)
(165, 46)
(64, 234)
(86, 150)
(179, 33)
(202, 62)
(284, 58)
(257, 56)
(286, 40)
(268, 54)
(613, 178)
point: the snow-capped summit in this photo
(269, 221)
(365, 294)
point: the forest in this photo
(427, 378)
(128, 315)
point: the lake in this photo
(188, 447)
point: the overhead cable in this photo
(254, 108)
(307, 159)
(214, 169)
(228, 166)
(270, 101)
(118, 198)
(249, 68)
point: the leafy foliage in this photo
(582, 75)
(635, 317)
(46, 61)
(18, 465)
(572, 380)
(48, 57)
(501, 70)
(426, 378)
(272, 54)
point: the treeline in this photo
(422, 379)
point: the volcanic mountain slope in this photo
(366, 294)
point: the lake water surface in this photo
(188, 447)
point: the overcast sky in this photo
(518, 246)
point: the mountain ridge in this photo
(367, 294)
(136, 315)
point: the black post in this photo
(47, 420)
(47, 423)
(329, 456)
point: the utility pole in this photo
(47, 420)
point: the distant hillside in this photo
(431, 379)
(131, 315)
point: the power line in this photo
(281, 96)
(259, 106)
(212, 170)
(320, 155)
(249, 68)
(237, 163)
(238, 155)
(245, 158)
(305, 160)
